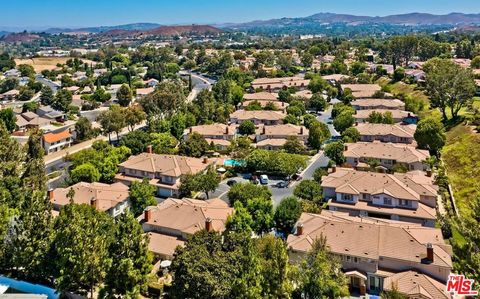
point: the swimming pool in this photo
(232, 162)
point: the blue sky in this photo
(74, 13)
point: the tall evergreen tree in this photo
(131, 259)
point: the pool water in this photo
(231, 162)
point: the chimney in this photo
(301, 130)
(334, 168)
(50, 194)
(345, 148)
(263, 130)
(430, 252)
(299, 229)
(205, 160)
(93, 202)
(208, 224)
(149, 149)
(191, 130)
(147, 215)
(283, 104)
(226, 130)
(429, 172)
(356, 124)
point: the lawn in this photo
(461, 156)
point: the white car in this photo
(264, 179)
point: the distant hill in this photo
(99, 29)
(331, 18)
(19, 37)
(3, 33)
(184, 30)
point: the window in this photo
(404, 202)
(365, 196)
(347, 197)
(387, 201)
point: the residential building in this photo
(373, 104)
(109, 198)
(274, 137)
(387, 155)
(276, 84)
(142, 92)
(415, 284)
(409, 197)
(416, 75)
(10, 95)
(258, 117)
(162, 171)
(374, 253)
(399, 116)
(260, 96)
(219, 134)
(53, 142)
(395, 133)
(362, 90)
(279, 106)
(171, 222)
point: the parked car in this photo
(264, 179)
(281, 184)
(231, 182)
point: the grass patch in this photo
(461, 156)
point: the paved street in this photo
(326, 117)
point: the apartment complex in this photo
(375, 253)
(162, 171)
(408, 197)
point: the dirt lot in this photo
(46, 63)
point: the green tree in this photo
(475, 64)
(245, 191)
(208, 181)
(240, 220)
(261, 211)
(351, 135)
(131, 259)
(26, 70)
(317, 102)
(318, 133)
(133, 116)
(81, 266)
(163, 143)
(137, 141)
(343, 121)
(247, 127)
(46, 95)
(287, 214)
(293, 145)
(319, 173)
(275, 267)
(62, 100)
(430, 135)
(320, 274)
(85, 173)
(141, 196)
(124, 95)
(84, 129)
(308, 190)
(194, 146)
(8, 118)
(202, 269)
(392, 293)
(334, 151)
(317, 84)
(448, 85)
(399, 74)
(112, 120)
